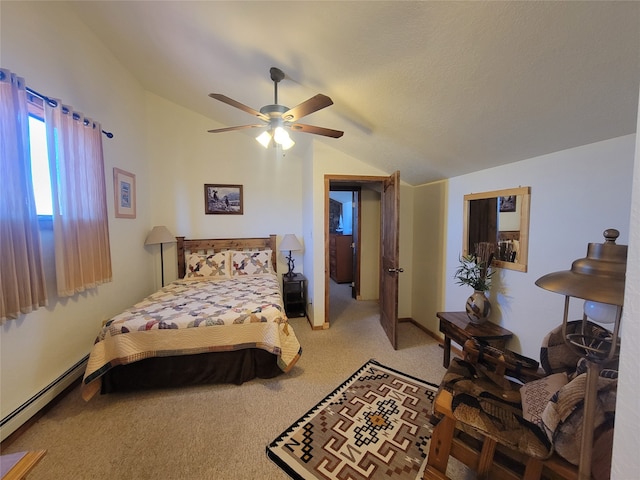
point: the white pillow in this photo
(212, 265)
(251, 263)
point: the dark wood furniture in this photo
(457, 326)
(294, 293)
(340, 258)
(485, 456)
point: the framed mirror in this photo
(498, 222)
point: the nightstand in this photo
(294, 292)
(457, 326)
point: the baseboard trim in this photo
(437, 337)
(421, 327)
(25, 412)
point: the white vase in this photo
(478, 307)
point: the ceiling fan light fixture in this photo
(281, 137)
(287, 144)
(264, 139)
(277, 116)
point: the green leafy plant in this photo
(474, 273)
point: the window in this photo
(40, 166)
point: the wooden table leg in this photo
(441, 438)
(486, 458)
(447, 352)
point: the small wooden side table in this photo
(457, 326)
(16, 466)
(294, 292)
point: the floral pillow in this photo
(536, 395)
(214, 265)
(251, 263)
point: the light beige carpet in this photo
(220, 431)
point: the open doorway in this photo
(344, 227)
(352, 243)
(343, 212)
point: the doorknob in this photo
(396, 270)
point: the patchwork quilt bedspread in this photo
(190, 317)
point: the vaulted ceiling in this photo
(433, 89)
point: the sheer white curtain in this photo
(80, 222)
(21, 272)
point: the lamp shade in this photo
(280, 136)
(598, 277)
(290, 242)
(264, 139)
(159, 234)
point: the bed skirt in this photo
(205, 368)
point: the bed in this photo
(223, 321)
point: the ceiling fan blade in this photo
(327, 132)
(231, 129)
(241, 106)
(305, 108)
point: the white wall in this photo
(47, 44)
(184, 156)
(626, 462)
(429, 249)
(575, 195)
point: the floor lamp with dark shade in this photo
(160, 235)
(599, 280)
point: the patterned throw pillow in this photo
(214, 265)
(556, 356)
(251, 263)
(536, 395)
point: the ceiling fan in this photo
(278, 118)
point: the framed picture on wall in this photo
(223, 199)
(508, 203)
(124, 192)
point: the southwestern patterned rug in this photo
(373, 426)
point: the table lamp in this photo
(599, 280)
(290, 242)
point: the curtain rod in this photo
(53, 103)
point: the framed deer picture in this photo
(223, 199)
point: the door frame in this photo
(347, 180)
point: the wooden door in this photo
(390, 226)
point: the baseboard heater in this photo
(24, 412)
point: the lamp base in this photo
(291, 265)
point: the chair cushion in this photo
(556, 356)
(563, 415)
(494, 411)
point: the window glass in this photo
(40, 166)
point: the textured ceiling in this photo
(433, 89)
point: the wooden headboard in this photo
(220, 244)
